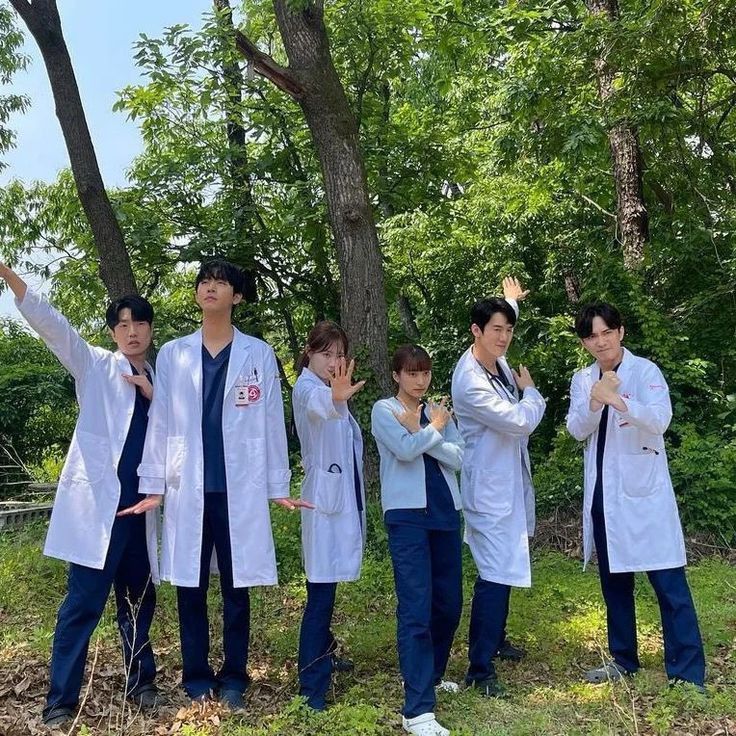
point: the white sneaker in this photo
(424, 725)
(447, 686)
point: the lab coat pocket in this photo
(328, 492)
(491, 493)
(88, 458)
(639, 476)
(175, 451)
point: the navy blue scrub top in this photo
(440, 513)
(130, 458)
(214, 375)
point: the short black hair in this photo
(482, 311)
(140, 310)
(607, 312)
(222, 270)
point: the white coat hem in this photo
(67, 557)
(333, 578)
(512, 582)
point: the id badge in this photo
(247, 394)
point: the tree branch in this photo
(264, 65)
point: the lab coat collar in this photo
(124, 363)
(239, 351)
(311, 376)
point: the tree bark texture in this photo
(631, 210)
(311, 79)
(43, 21)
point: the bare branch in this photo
(265, 65)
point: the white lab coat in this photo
(642, 522)
(88, 492)
(333, 533)
(496, 487)
(256, 458)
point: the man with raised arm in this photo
(98, 523)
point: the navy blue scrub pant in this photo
(428, 577)
(198, 678)
(127, 570)
(316, 644)
(488, 615)
(683, 647)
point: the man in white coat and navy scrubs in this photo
(216, 446)
(497, 409)
(98, 523)
(620, 406)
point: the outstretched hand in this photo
(148, 503)
(342, 384)
(293, 503)
(512, 289)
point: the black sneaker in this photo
(490, 688)
(341, 664)
(232, 699)
(146, 697)
(57, 717)
(509, 652)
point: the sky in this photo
(99, 35)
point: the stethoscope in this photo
(505, 392)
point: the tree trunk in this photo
(311, 79)
(245, 225)
(43, 21)
(631, 211)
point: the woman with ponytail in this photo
(333, 532)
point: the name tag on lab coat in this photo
(247, 393)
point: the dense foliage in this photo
(485, 142)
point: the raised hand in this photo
(439, 414)
(148, 503)
(15, 282)
(293, 503)
(523, 378)
(604, 392)
(611, 380)
(342, 384)
(512, 289)
(410, 420)
(141, 381)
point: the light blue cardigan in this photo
(403, 484)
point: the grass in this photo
(560, 621)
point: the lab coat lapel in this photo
(192, 361)
(238, 354)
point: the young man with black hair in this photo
(98, 523)
(497, 409)
(216, 446)
(620, 406)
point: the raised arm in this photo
(75, 353)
